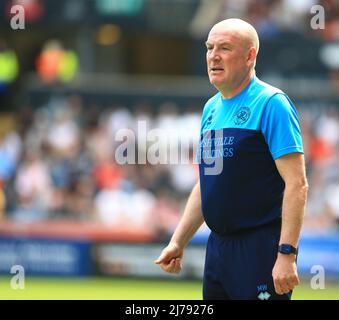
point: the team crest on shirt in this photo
(209, 119)
(242, 115)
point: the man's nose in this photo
(214, 55)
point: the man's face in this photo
(226, 58)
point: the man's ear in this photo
(252, 56)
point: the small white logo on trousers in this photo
(264, 295)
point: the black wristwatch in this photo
(287, 249)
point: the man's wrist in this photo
(287, 257)
(178, 244)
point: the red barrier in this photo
(93, 231)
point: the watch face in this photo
(285, 249)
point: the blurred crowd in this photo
(321, 141)
(273, 17)
(58, 162)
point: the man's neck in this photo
(228, 94)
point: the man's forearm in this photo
(293, 210)
(191, 220)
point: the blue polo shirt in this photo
(239, 140)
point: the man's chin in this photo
(215, 82)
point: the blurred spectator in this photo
(34, 9)
(33, 187)
(332, 199)
(63, 135)
(331, 30)
(9, 152)
(125, 209)
(9, 65)
(107, 174)
(184, 177)
(55, 63)
(166, 213)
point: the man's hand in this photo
(285, 275)
(170, 258)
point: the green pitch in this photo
(133, 289)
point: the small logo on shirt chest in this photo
(242, 115)
(209, 119)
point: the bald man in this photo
(254, 201)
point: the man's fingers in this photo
(280, 286)
(164, 266)
(162, 258)
(167, 266)
(290, 286)
(296, 280)
(177, 265)
(174, 266)
(170, 259)
(283, 286)
(277, 287)
(159, 260)
(293, 282)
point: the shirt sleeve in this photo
(280, 126)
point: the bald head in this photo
(239, 28)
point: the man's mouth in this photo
(216, 69)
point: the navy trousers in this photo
(239, 266)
